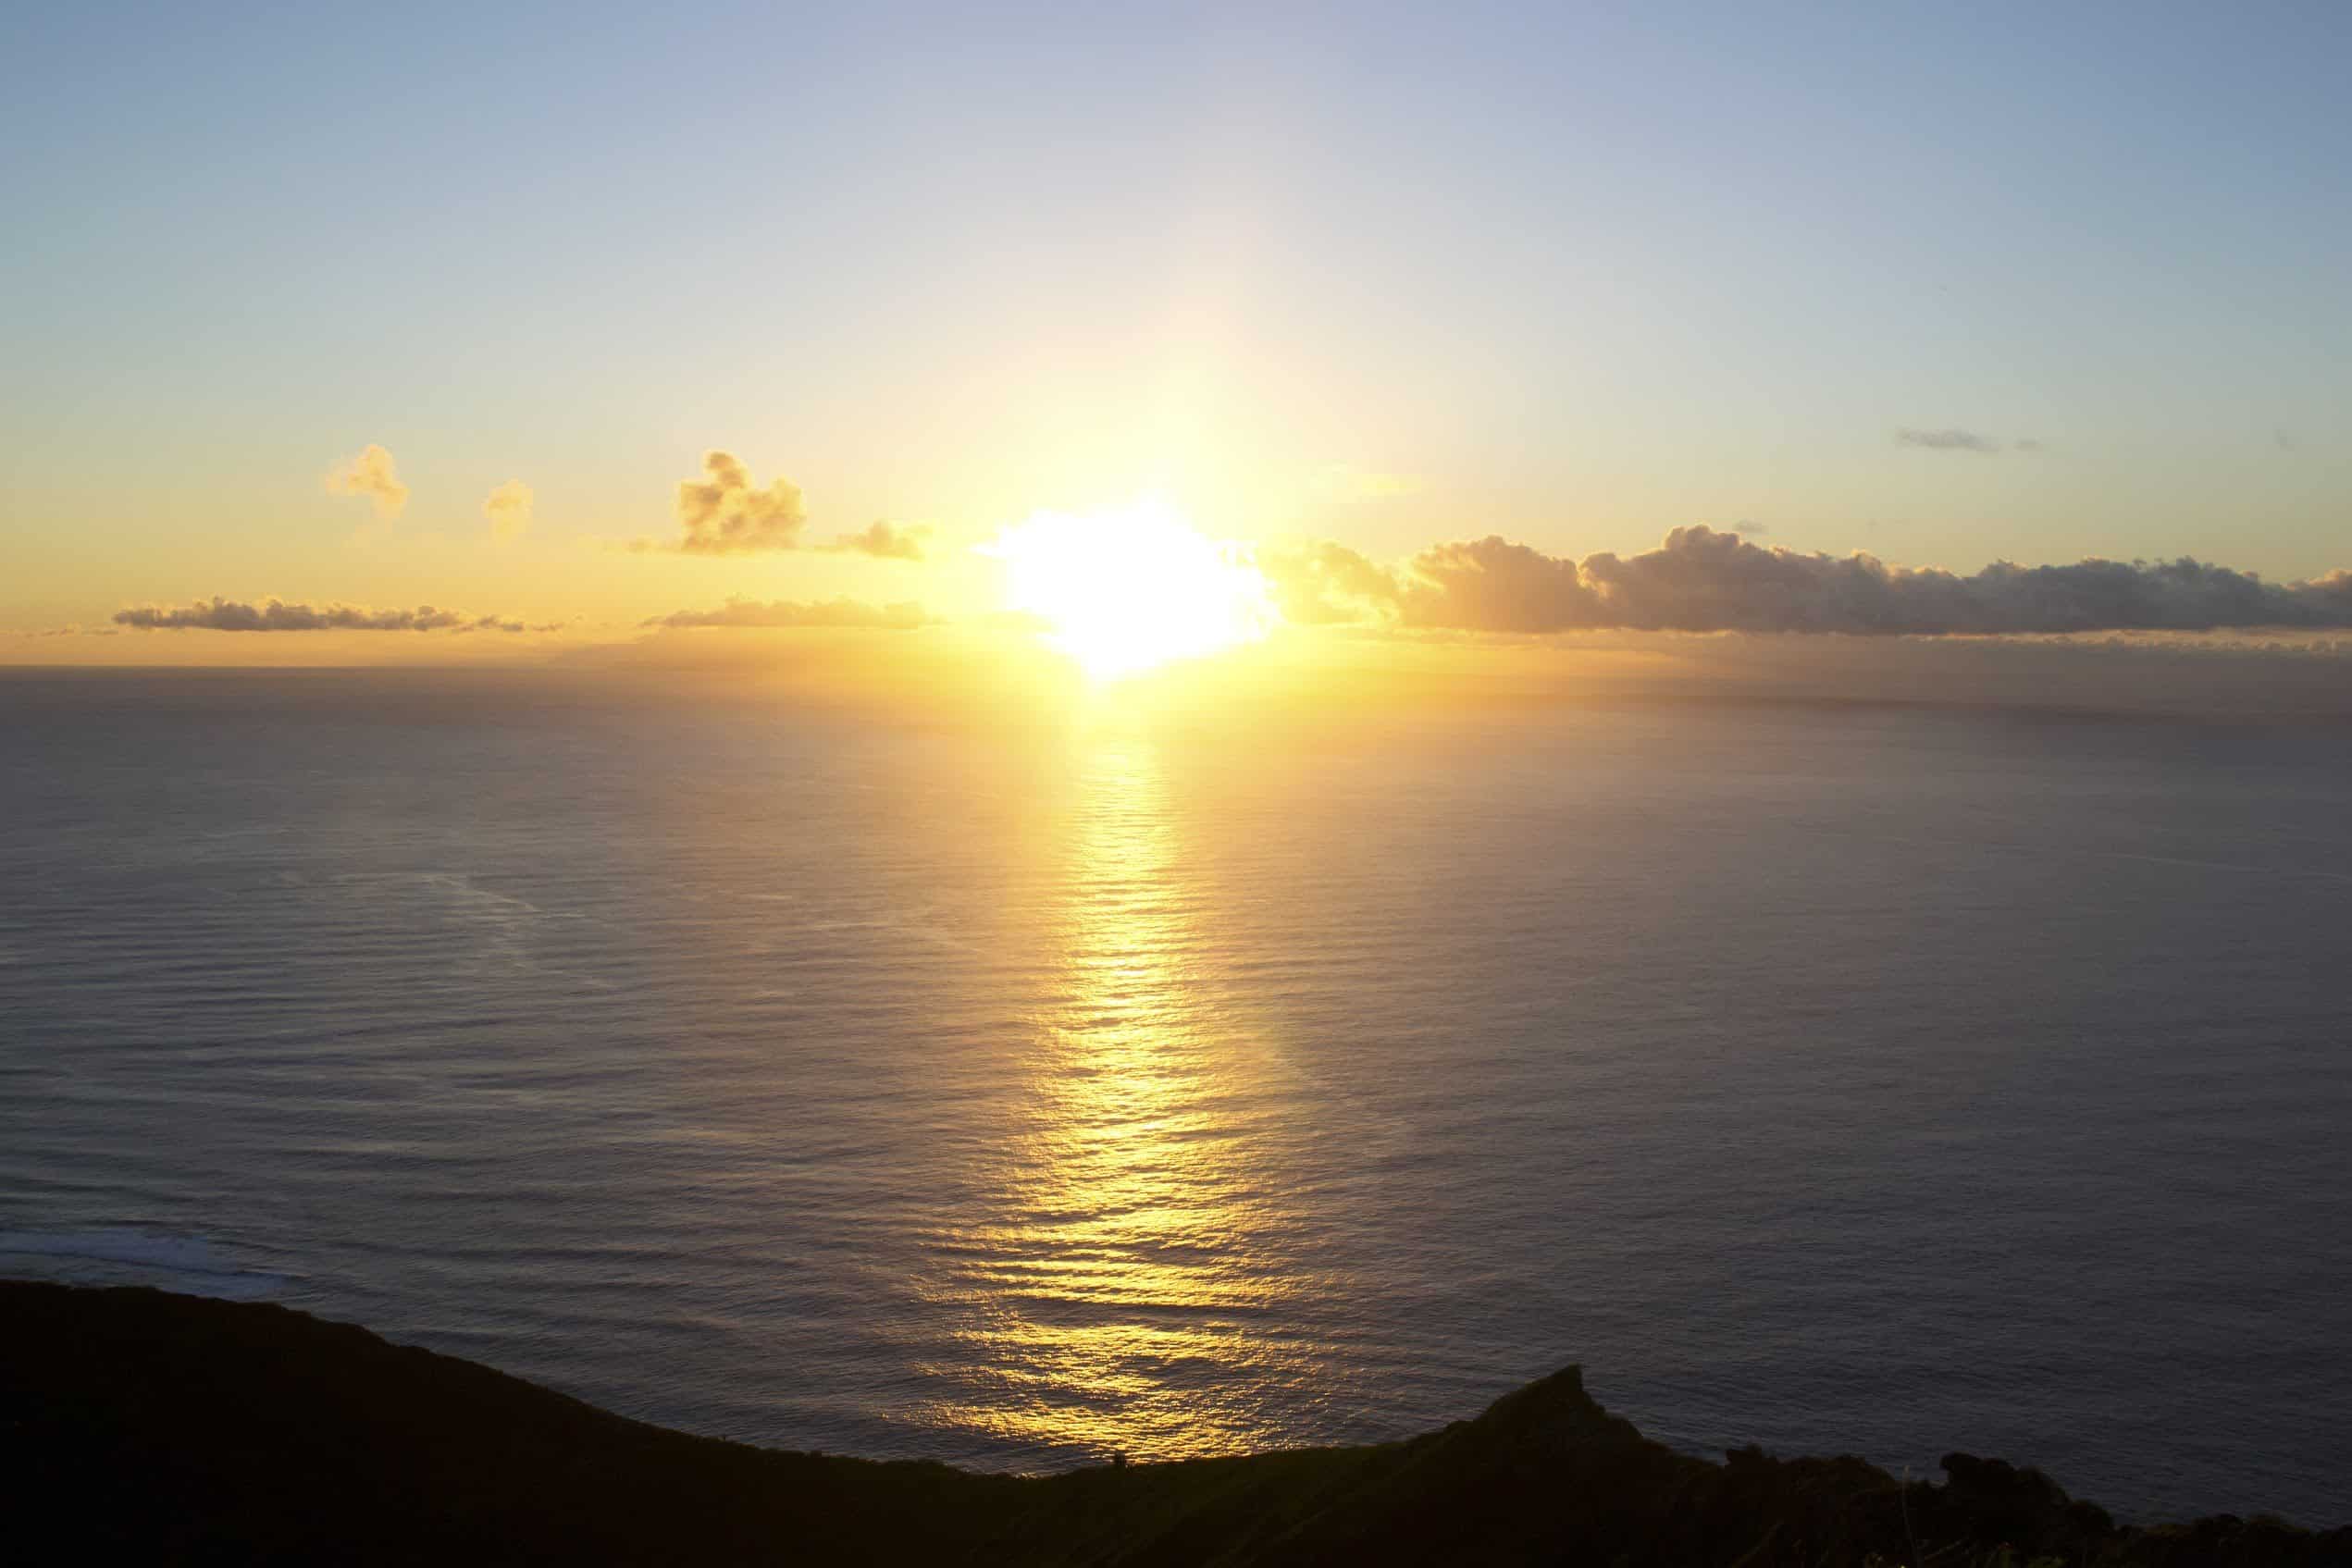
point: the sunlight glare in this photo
(1129, 588)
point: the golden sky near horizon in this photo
(1117, 592)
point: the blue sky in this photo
(1574, 273)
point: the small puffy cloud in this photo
(884, 540)
(834, 614)
(1948, 440)
(722, 513)
(1702, 580)
(508, 507)
(371, 474)
(274, 615)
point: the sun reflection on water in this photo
(1120, 1291)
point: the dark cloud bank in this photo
(1702, 580)
(231, 615)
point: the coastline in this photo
(141, 1423)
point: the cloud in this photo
(370, 475)
(884, 540)
(231, 615)
(1752, 530)
(1324, 583)
(722, 514)
(509, 509)
(1702, 580)
(839, 612)
(494, 623)
(1948, 440)
(1493, 584)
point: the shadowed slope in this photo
(136, 1423)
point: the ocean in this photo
(1837, 1078)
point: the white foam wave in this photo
(128, 1256)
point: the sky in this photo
(370, 311)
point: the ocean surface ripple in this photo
(1856, 1080)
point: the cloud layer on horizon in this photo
(905, 616)
(1699, 580)
(1703, 580)
(274, 615)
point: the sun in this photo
(1129, 588)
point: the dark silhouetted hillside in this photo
(139, 1426)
